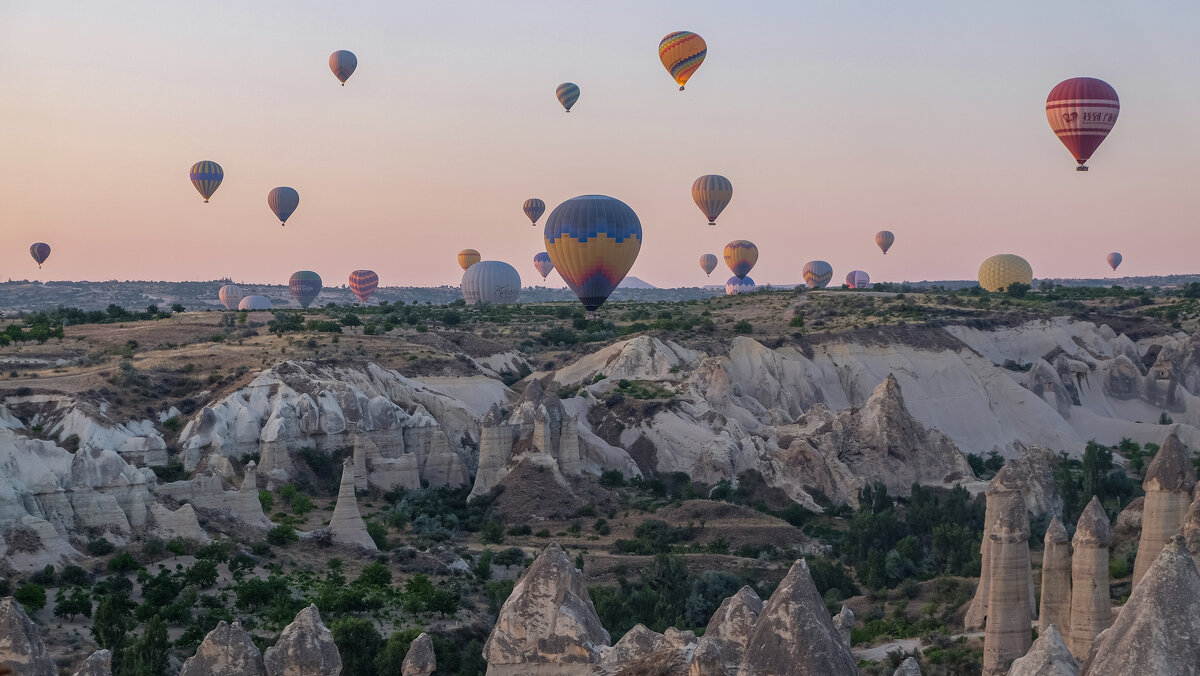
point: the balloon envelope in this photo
(568, 94)
(543, 264)
(884, 240)
(712, 194)
(817, 274)
(363, 283)
(231, 296)
(735, 285)
(305, 285)
(206, 175)
(534, 208)
(1114, 259)
(1001, 270)
(740, 256)
(467, 258)
(681, 54)
(254, 303)
(708, 263)
(593, 241)
(283, 201)
(40, 252)
(1082, 111)
(857, 279)
(343, 63)
(491, 282)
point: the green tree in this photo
(266, 500)
(31, 595)
(359, 643)
(110, 626)
(492, 533)
(390, 658)
(282, 535)
(149, 654)
(68, 605)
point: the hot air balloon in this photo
(363, 283)
(1114, 259)
(305, 285)
(1081, 111)
(40, 252)
(884, 240)
(283, 201)
(231, 296)
(712, 194)
(568, 94)
(541, 261)
(736, 285)
(254, 303)
(857, 279)
(593, 241)
(740, 256)
(491, 282)
(681, 54)
(206, 175)
(467, 258)
(817, 274)
(1002, 270)
(708, 263)
(534, 208)
(343, 63)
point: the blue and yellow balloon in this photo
(593, 241)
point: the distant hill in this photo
(634, 283)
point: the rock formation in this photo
(1169, 481)
(346, 524)
(305, 648)
(1191, 529)
(642, 651)
(1007, 635)
(795, 635)
(1048, 656)
(226, 651)
(548, 625)
(1156, 632)
(719, 652)
(420, 659)
(844, 623)
(1128, 525)
(1091, 607)
(21, 647)
(1055, 608)
(98, 663)
(908, 667)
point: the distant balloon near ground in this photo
(543, 264)
(1082, 111)
(712, 194)
(681, 54)
(494, 282)
(884, 240)
(1114, 259)
(857, 279)
(343, 63)
(735, 285)
(740, 256)
(231, 296)
(1002, 270)
(305, 286)
(534, 208)
(708, 263)
(363, 283)
(254, 303)
(568, 94)
(206, 176)
(40, 252)
(283, 201)
(817, 274)
(593, 241)
(467, 258)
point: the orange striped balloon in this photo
(681, 54)
(363, 283)
(712, 194)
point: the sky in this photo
(832, 120)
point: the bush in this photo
(32, 596)
(75, 576)
(99, 547)
(523, 529)
(743, 326)
(612, 478)
(123, 563)
(282, 535)
(492, 533)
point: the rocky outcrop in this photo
(548, 625)
(420, 659)
(1091, 608)
(1191, 529)
(1156, 632)
(346, 524)
(1048, 656)
(795, 635)
(642, 651)
(305, 648)
(1007, 635)
(719, 652)
(908, 667)
(98, 663)
(1128, 525)
(181, 523)
(844, 623)
(21, 647)
(226, 651)
(1055, 608)
(1169, 481)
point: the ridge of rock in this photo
(305, 648)
(21, 646)
(227, 650)
(1048, 656)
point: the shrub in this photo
(99, 547)
(123, 563)
(743, 326)
(282, 535)
(32, 596)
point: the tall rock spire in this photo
(1008, 634)
(347, 525)
(1055, 607)
(1091, 607)
(1169, 481)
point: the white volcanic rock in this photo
(305, 648)
(64, 416)
(908, 667)
(1170, 479)
(642, 651)
(346, 524)
(1055, 608)
(98, 663)
(21, 647)
(226, 651)
(1048, 656)
(1091, 606)
(719, 652)
(641, 358)
(1191, 529)
(844, 623)
(420, 659)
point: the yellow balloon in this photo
(1001, 270)
(468, 257)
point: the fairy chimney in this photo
(1008, 636)
(1091, 609)
(1169, 481)
(1056, 578)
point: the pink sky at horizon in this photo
(832, 121)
